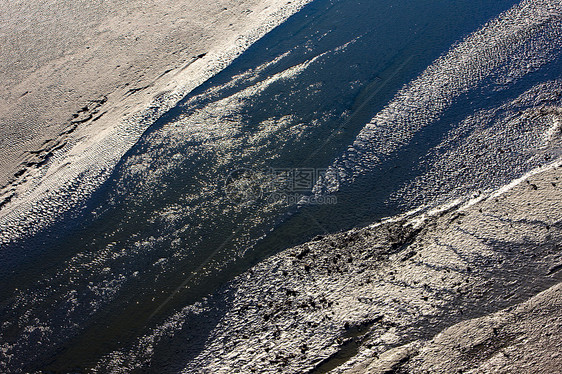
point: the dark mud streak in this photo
(135, 90)
(554, 269)
(352, 340)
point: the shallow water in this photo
(204, 194)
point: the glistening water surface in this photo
(195, 202)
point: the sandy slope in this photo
(455, 290)
(374, 300)
(58, 56)
(521, 339)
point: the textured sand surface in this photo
(472, 287)
(82, 81)
(59, 57)
(521, 339)
(374, 300)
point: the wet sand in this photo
(396, 296)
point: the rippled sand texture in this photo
(82, 80)
(364, 292)
(492, 100)
(114, 283)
